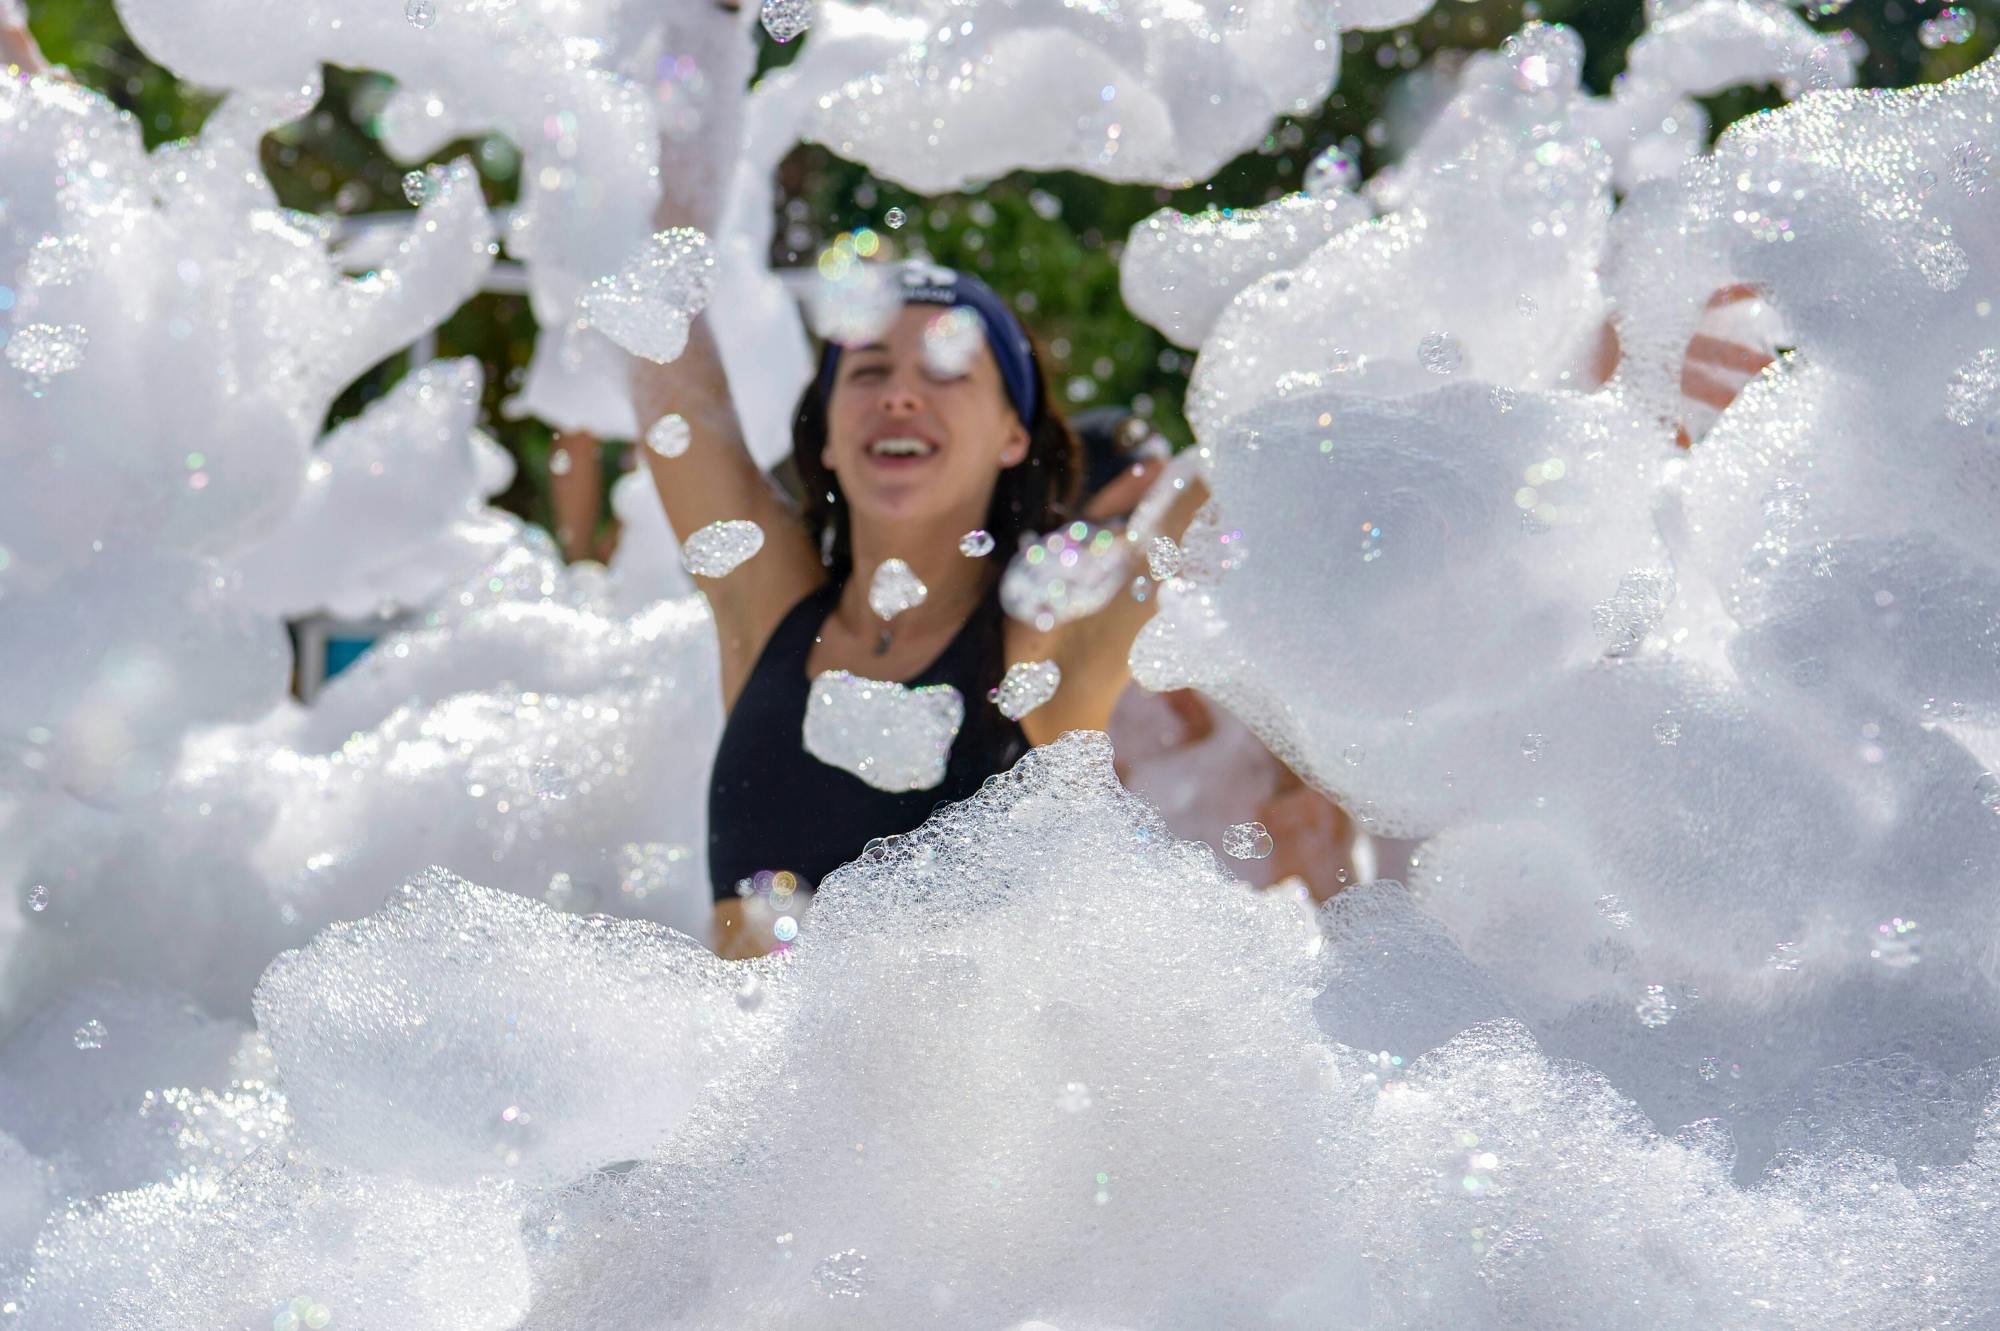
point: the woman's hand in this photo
(1313, 838)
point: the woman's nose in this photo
(900, 398)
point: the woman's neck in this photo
(953, 582)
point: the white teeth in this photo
(901, 448)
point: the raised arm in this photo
(17, 44)
(716, 480)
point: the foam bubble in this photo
(718, 549)
(1027, 685)
(647, 305)
(894, 588)
(894, 738)
(669, 436)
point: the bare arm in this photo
(1094, 653)
(17, 44)
(716, 480)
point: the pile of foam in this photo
(161, 788)
(1037, 1063)
(1701, 742)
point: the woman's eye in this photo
(865, 372)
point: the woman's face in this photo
(921, 435)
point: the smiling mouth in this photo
(900, 448)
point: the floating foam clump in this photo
(1360, 310)
(647, 305)
(1180, 269)
(391, 512)
(893, 737)
(1153, 92)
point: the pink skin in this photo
(885, 390)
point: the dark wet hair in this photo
(1034, 495)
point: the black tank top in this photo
(773, 806)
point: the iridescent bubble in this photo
(1545, 57)
(1163, 558)
(560, 462)
(90, 1035)
(1069, 573)
(1353, 755)
(786, 929)
(952, 341)
(976, 544)
(895, 218)
(421, 13)
(843, 1275)
(1987, 790)
(38, 898)
(1948, 28)
(1667, 731)
(850, 301)
(416, 187)
(719, 548)
(1248, 841)
(669, 436)
(303, 1313)
(1332, 172)
(1896, 943)
(787, 19)
(1533, 746)
(1440, 353)
(894, 589)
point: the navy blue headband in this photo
(927, 283)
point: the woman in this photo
(898, 459)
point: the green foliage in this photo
(1051, 241)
